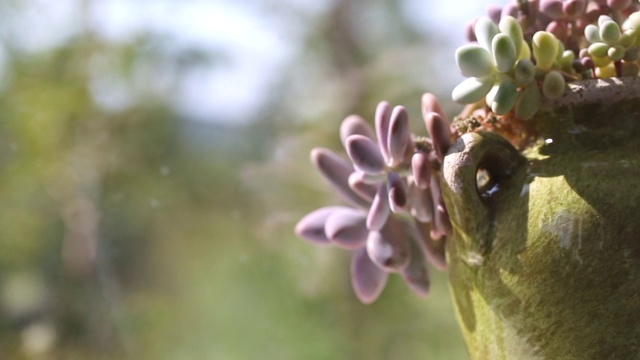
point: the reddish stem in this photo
(618, 65)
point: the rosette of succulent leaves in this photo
(395, 220)
(528, 51)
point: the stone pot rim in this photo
(592, 91)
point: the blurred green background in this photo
(154, 161)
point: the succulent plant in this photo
(555, 42)
(519, 56)
(396, 220)
(500, 68)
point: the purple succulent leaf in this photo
(593, 10)
(361, 185)
(382, 121)
(469, 32)
(551, 8)
(367, 279)
(558, 29)
(416, 274)
(421, 204)
(441, 221)
(397, 192)
(434, 233)
(511, 9)
(436, 230)
(583, 53)
(429, 103)
(389, 247)
(335, 170)
(587, 62)
(494, 12)
(361, 176)
(442, 218)
(365, 154)
(355, 125)
(434, 163)
(379, 211)
(440, 133)
(399, 136)
(574, 8)
(420, 170)
(619, 4)
(434, 250)
(346, 228)
(533, 7)
(311, 227)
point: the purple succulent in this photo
(396, 221)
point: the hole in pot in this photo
(494, 173)
(485, 182)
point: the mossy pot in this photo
(544, 257)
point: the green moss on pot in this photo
(544, 261)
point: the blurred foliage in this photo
(131, 232)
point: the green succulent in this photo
(553, 85)
(501, 71)
(511, 71)
(610, 45)
(545, 49)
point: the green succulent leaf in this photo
(610, 32)
(553, 85)
(525, 50)
(598, 49)
(601, 61)
(592, 33)
(606, 71)
(474, 61)
(528, 102)
(485, 30)
(505, 97)
(488, 99)
(566, 59)
(472, 89)
(560, 51)
(510, 26)
(545, 49)
(634, 20)
(525, 71)
(504, 52)
(603, 19)
(616, 52)
(627, 38)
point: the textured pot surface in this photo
(545, 255)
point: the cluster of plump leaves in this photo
(521, 54)
(501, 70)
(527, 51)
(396, 219)
(613, 50)
(566, 19)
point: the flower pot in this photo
(544, 259)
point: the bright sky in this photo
(253, 45)
(258, 47)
